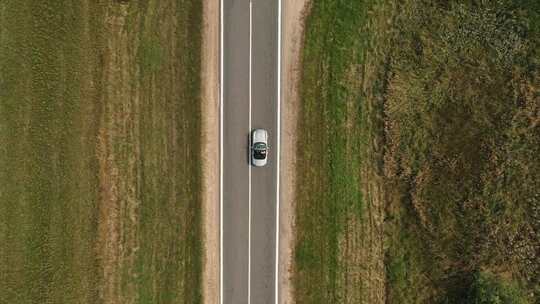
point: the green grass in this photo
(170, 253)
(329, 169)
(56, 101)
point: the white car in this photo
(259, 147)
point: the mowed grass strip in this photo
(80, 81)
(329, 142)
(168, 263)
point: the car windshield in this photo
(259, 151)
(259, 146)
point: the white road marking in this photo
(221, 155)
(249, 191)
(278, 149)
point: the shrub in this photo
(488, 289)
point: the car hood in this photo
(260, 135)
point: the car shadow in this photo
(248, 154)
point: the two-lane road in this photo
(249, 199)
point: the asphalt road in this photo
(249, 194)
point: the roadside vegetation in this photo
(463, 138)
(99, 152)
(445, 153)
(333, 218)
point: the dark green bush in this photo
(487, 289)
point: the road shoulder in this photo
(210, 158)
(292, 34)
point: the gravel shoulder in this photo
(210, 139)
(292, 37)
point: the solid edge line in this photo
(249, 132)
(221, 157)
(278, 151)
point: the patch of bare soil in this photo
(292, 34)
(210, 138)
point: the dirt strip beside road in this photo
(210, 155)
(292, 39)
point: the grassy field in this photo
(418, 169)
(99, 142)
(462, 167)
